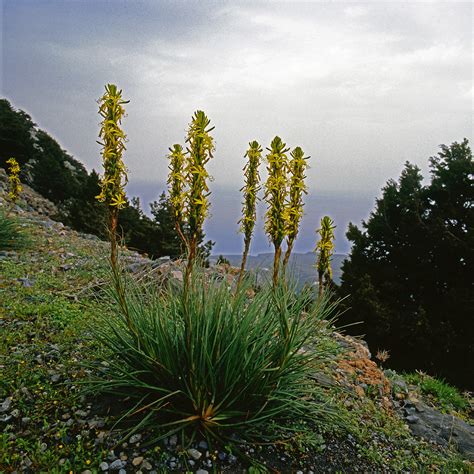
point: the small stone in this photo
(15, 413)
(103, 466)
(173, 441)
(135, 438)
(80, 413)
(122, 471)
(86, 472)
(26, 282)
(202, 445)
(202, 471)
(222, 456)
(55, 378)
(5, 406)
(25, 420)
(412, 419)
(137, 461)
(299, 472)
(117, 465)
(172, 464)
(232, 459)
(194, 453)
(191, 462)
(146, 465)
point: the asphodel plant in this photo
(250, 194)
(177, 188)
(13, 182)
(200, 148)
(325, 247)
(294, 205)
(275, 196)
(112, 140)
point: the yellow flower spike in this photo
(15, 186)
(250, 191)
(275, 196)
(294, 206)
(112, 140)
(325, 247)
(200, 150)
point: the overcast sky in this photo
(361, 87)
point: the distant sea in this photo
(301, 266)
(222, 228)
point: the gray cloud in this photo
(362, 87)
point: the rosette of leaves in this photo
(250, 193)
(200, 148)
(275, 196)
(294, 206)
(14, 181)
(111, 109)
(325, 247)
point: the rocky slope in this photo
(47, 308)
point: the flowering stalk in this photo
(294, 207)
(177, 188)
(14, 182)
(115, 174)
(200, 149)
(250, 189)
(325, 246)
(275, 195)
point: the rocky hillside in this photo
(48, 306)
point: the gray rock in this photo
(117, 465)
(6, 404)
(135, 438)
(173, 441)
(194, 453)
(202, 471)
(27, 282)
(443, 429)
(103, 466)
(202, 445)
(122, 471)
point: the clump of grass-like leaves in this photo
(11, 236)
(215, 362)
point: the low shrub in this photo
(210, 362)
(447, 396)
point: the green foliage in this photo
(444, 395)
(11, 236)
(221, 260)
(409, 274)
(215, 363)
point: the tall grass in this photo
(11, 236)
(216, 363)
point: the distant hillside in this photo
(301, 265)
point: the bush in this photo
(213, 363)
(11, 237)
(447, 396)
